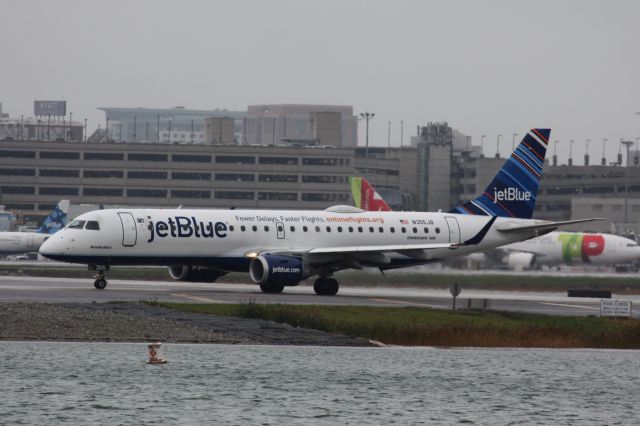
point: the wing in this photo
(369, 254)
(542, 226)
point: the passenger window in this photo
(403, 229)
(415, 230)
(317, 229)
(266, 228)
(371, 229)
(254, 228)
(381, 229)
(339, 228)
(93, 225)
(280, 228)
(392, 229)
(426, 230)
(328, 229)
(231, 228)
(437, 230)
(351, 229)
(304, 229)
(359, 228)
(76, 224)
(292, 228)
(242, 228)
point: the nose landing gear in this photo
(101, 281)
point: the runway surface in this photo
(61, 290)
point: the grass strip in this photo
(413, 326)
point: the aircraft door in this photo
(454, 229)
(280, 230)
(129, 232)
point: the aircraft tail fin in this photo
(513, 191)
(56, 219)
(365, 197)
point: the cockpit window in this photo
(92, 225)
(632, 245)
(76, 224)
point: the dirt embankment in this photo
(139, 322)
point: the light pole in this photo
(135, 126)
(498, 147)
(85, 130)
(604, 157)
(70, 120)
(367, 116)
(389, 136)
(401, 132)
(627, 143)
(586, 153)
(513, 142)
(571, 153)
(555, 153)
(482, 145)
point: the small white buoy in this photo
(154, 354)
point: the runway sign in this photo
(615, 308)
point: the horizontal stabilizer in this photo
(541, 226)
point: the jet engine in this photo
(194, 274)
(275, 272)
(520, 261)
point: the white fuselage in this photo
(573, 248)
(223, 239)
(21, 242)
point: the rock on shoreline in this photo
(139, 322)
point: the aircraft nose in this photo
(54, 245)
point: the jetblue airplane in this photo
(283, 247)
(25, 242)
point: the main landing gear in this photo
(101, 281)
(326, 286)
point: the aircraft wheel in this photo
(326, 286)
(272, 288)
(100, 283)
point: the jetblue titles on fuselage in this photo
(186, 227)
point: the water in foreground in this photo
(109, 383)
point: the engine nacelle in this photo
(194, 274)
(520, 261)
(277, 270)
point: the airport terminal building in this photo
(304, 169)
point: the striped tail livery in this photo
(513, 191)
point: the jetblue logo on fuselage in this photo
(510, 194)
(186, 227)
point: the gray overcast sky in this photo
(487, 67)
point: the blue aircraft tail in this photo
(513, 191)
(55, 221)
